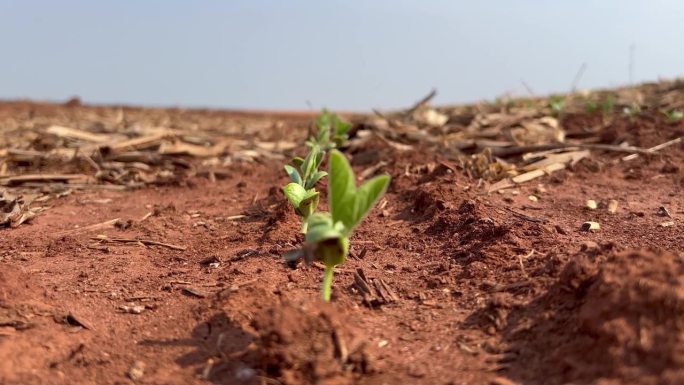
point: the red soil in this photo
(492, 289)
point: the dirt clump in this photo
(617, 321)
(310, 345)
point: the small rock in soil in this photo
(591, 227)
(591, 204)
(561, 230)
(612, 206)
(664, 212)
(136, 371)
(135, 309)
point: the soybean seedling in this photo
(327, 238)
(333, 132)
(674, 116)
(304, 175)
(557, 105)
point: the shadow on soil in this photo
(221, 351)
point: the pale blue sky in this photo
(343, 54)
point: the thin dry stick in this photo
(521, 258)
(98, 226)
(422, 101)
(146, 242)
(655, 148)
(509, 151)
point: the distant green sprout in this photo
(327, 238)
(591, 107)
(301, 192)
(333, 132)
(557, 104)
(608, 105)
(632, 112)
(674, 116)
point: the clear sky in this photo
(343, 54)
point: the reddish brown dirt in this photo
(493, 289)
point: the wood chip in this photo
(193, 292)
(78, 320)
(140, 143)
(73, 133)
(375, 292)
(528, 176)
(42, 178)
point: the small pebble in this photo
(533, 198)
(612, 206)
(136, 371)
(667, 224)
(591, 204)
(664, 212)
(591, 227)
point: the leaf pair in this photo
(327, 237)
(332, 131)
(349, 204)
(304, 201)
(308, 174)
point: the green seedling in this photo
(608, 105)
(333, 132)
(674, 116)
(557, 104)
(632, 112)
(301, 191)
(327, 238)
(591, 107)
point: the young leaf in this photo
(295, 193)
(308, 204)
(315, 178)
(367, 196)
(328, 241)
(321, 228)
(298, 161)
(310, 162)
(294, 175)
(342, 190)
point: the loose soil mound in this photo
(310, 345)
(622, 322)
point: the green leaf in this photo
(327, 240)
(348, 204)
(309, 203)
(315, 178)
(319, 158)
(342, 190)
(341, 127)
(298, 161)
(309, 164)
(294, 175)
(295, 193)
(321, 228)
(367, 196)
